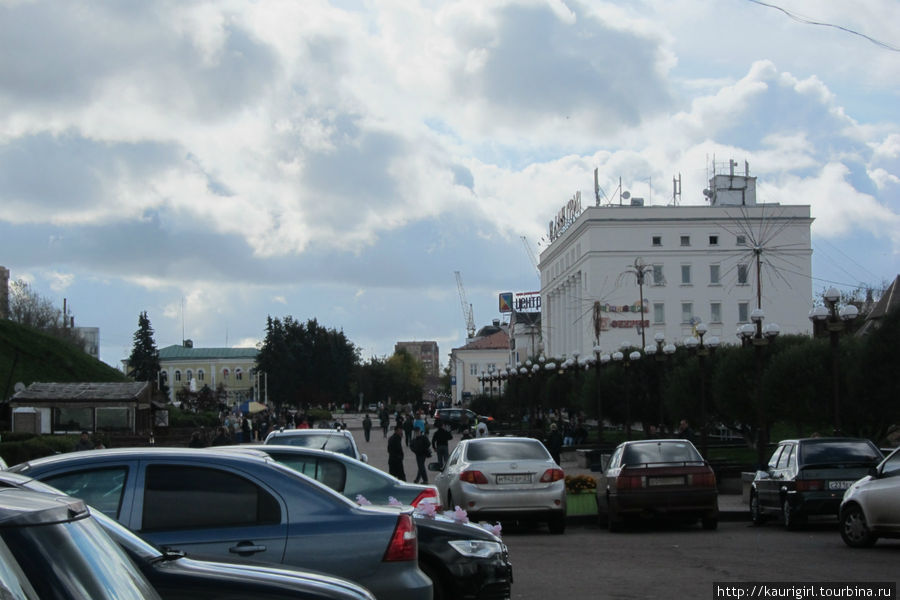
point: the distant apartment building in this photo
(90, 340)
(426, 353)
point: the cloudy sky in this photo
(213, 163)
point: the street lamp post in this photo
(835, 323)
(600, 359)
(620, 357)
(661, 351)
(759, 337)
(703, 350)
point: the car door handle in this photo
(246, 548)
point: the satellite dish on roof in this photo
(19, 387)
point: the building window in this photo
(742, 274)
(687, 312)
(238, 374)
(715, 312)
(658, 278)
(473, 369)
(189, 374)
(714, 274)
(713, 240)
(685, 274)
(177, 375)
(164, 376)
(741, 240)
(657, 240)
(225, 373)
(200, 375)
(659, 313)
(743, 312)
(685, 240)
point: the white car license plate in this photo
(651, 481)
(839, 485)
(514, 478)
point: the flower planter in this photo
(581, 503)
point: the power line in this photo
(806, 21)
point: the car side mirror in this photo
(433, 466)
(762, 475)
(364, 458)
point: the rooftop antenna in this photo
(182, 320)
(676, 189)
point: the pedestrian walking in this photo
(395, 454)
(422, 450)
(407, 429)
(554, 443)
(440, 441)
(385, 421)
(367, 426)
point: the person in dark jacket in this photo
(367, 426)
(421, 447)
(554, 443)
(440, 441)
(407, 429)
(395, 454)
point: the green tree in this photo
(143, 364)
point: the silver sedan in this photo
(505, 478)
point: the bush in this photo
(35, 446)
(316, 415)
(580, 483)
(183, 418)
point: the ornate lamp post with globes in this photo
(759, 337)
(620, 357)
(835, 322)
(703, 350)
(661, 351)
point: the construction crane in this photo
(468, 313)
(534, 260)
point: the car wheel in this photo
(854, 530)
(792, 521)
(439, 586)
(557, 525)
(756, 516)
(709, 523)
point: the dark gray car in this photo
(240, 506)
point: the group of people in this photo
(421, 447)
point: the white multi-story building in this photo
(486, 353)
(713, 264)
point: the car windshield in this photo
(335, 443)
(824, 452)
(660, 452)
(506, 450)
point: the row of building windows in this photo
(474, 369)
(201, 376)
(689, 317)
(685, 240)
(715, 275)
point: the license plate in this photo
(839, 485)
(514, 478)
(652, 481)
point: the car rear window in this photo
(507, 450)
(335, 443)
(847, 451)
(660, 452)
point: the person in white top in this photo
(481, 429)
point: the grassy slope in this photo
(27, 355)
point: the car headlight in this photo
(476, 548)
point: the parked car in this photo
(454, 416)
(463, 560)
(871, 506)
(505, 478)
(51, 548)
(176, 577)
(653, 478)
(322, 439)
(242, 506)
(808, 477)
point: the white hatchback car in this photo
(505, 478)
(336, 440)
(871, 506)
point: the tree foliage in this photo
(306, 364)
(28, 308)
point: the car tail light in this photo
(629, 482)
(551, 475)
(428, 493)
(703, 479)
(403, 545)
(809, 485)
(473, 477)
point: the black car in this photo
(51, 548)
(809, 476)
(461, 419)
